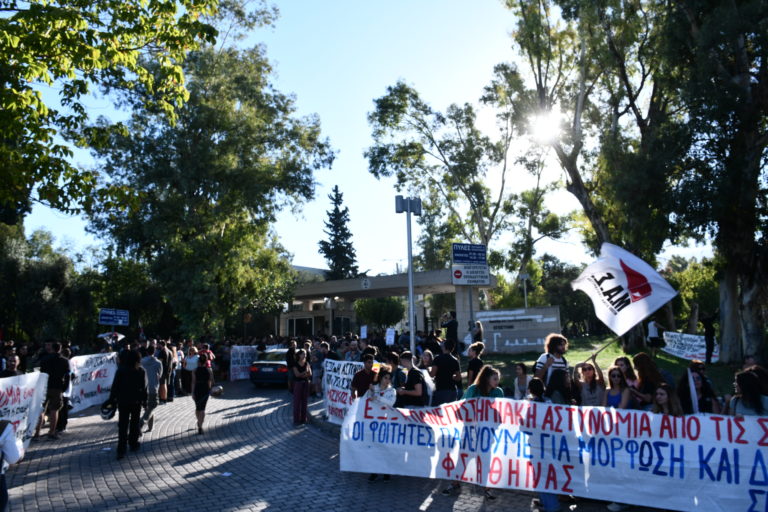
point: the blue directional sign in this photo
(470, 253)
(470, 265)
(108, 316)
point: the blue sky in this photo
(337, 56)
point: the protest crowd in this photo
(152, 372)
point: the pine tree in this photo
(338, 250)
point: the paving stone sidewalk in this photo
(250, 458)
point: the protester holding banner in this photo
(57, 368)
(11, 368)
(696, 393)
(625, 365)
(412, 393)
(648, 380)
(11, 452)
(427, 360)
(617, 395)
(559, 388)
(383, 393)
(485, 384)
(447, 374)
(665, 401)
(363, 379)
(748, 399)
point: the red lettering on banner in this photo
(532, 475)
(494, 472)
(763, 422)
(567, 468)
(625, 419)
(740, 430)
(553, 419)
(465, 467)
(717, 420)
(479, 469)
(667, 427)
(367, 411)
(645, 426)
(515, 472)
(551, 478)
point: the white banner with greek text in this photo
(21, 402)
(92, 378)
(240, 359)
(336, 393)
(689, 346)
(696, 462)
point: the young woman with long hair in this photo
(748, 400)
(559, 388)
(665, 401)
(648, 380)
(617, 395)
(486, 384)
(589, 383)
(522, 379)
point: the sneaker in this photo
(120, 455)
(53, 437)
(372, 478)
(488, 495)
(451, 491)
(617, 507)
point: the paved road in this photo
(250, 458)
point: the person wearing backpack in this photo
(11, 452)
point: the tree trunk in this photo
(693, 319)
(752, 321)
(634, 339)
(730, 335)
(669, 315)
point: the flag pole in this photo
(605, 346)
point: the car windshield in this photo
(271, 356)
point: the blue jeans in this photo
(549, 502)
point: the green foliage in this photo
(200, 194)
(443, 156)
(380, 312)
(74, 47)
(338, 250)
(696, 283)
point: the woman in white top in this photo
(382, 390)
(383, 393)
(522, 379)
(11, 452)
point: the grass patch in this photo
(582, 348)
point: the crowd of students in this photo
(151, 372)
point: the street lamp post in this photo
(409, 205)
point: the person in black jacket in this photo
(57, 368)
(129, 391)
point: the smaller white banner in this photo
(337, 380)
(240, 359)
(92, 377)
(21, 402)
(689, 346)
(364, 332)
(390, 339)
